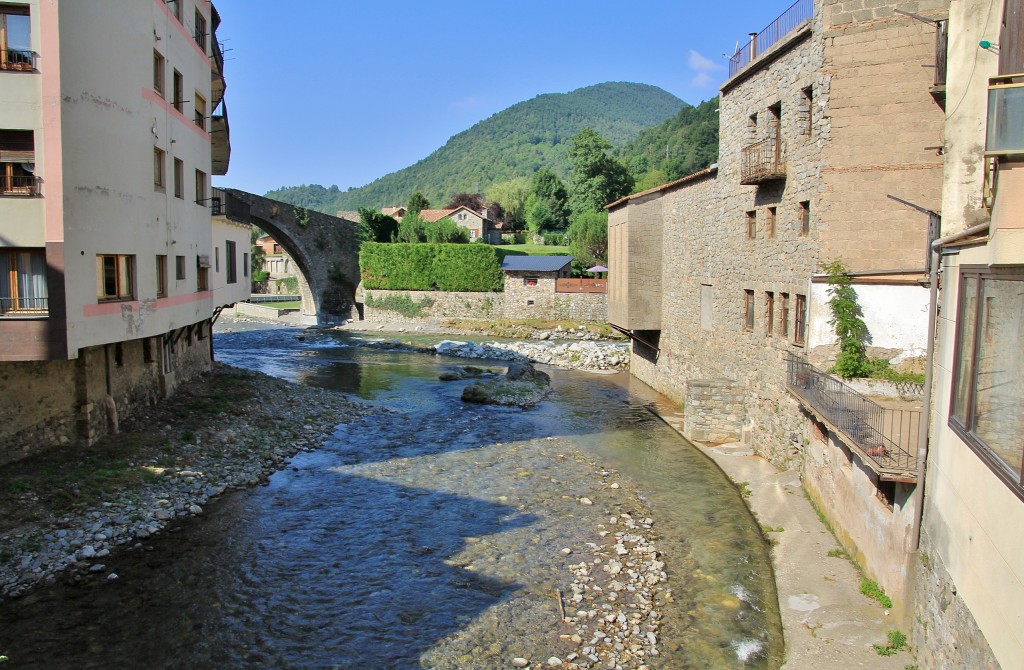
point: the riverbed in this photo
(437, 534)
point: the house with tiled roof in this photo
(480, 227)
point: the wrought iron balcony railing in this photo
(17, 60)
(886, 438)
(24, 306)
(27, 186)
(799, 11)
(763, 161)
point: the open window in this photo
(15, 38)
(17, 163)
(23, 281)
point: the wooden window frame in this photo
(748, 309)
(159, 168)
(199, 30)
(199, 115)
(177, 91)
(175, 7)
(804, 217)
(751, 219)
(800, 319)
(769, 317)
(159, 73)
(770, 225)
(14, 302)
(123, 267)
(200, 188)
(202, 274)
(179, 268)
(179, 178)
(161, 276)
(968, 345)
(783, 314)
(231, 261)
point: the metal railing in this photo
(800, 11)
(24, 306)
(25, 185)
(888, 437)
(18, 60)
(762, 161)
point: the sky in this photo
(343, 92)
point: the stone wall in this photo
(514, 303)
(714, 410)
(49, 404)
(945, 634)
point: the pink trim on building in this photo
(53, 153)
(154, 97)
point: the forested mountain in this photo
(681, 145)
(515, 142)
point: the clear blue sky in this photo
(342, 92)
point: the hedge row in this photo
(430, 267)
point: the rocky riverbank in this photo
(68, 509)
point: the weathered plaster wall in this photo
(896, 316)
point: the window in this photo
(808, 95)
(988, 372)
(23, 281)
(800, 319)
(784, 315)
(200, 187)
(230, 261)
(175, 7)
(245, 264)
(200, 114)
(769, 317)
(179, 268)
(115, 277)
(216, 259)
(158, 167)
(177, 95)
(202, 273)
(200, 31)
(770, 224)
(15, 38)
(158, 73)
(17, 162)
(748, 308)
(161, 276)
(530, 281)
(752, 224)
(706, 304)
(179, 178)
(804, 212)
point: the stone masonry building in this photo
(829, 150)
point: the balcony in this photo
(19, 185)
(24, 306)
(220, 142)
(763, 161)
(787, 22)
(18, 60)
(884, 438)
(225, 204)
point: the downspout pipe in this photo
(933, 312)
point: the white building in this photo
(111, 124)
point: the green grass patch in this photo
(766, 528)
(897, 642)
(872, 590)
(837, 553)
(402, 304)
(536, 249)
(744, 488)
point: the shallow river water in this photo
(430, 536)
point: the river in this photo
(434, 535)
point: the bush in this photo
(260, 276)
(403, 304)
(554, 239)
(427, 267)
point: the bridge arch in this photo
(324, 248)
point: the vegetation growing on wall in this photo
(402, 304)
(848, 323)
(427, 267)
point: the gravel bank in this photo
(228, 429)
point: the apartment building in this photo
(831, 126)
(112, 122)
(970, 576)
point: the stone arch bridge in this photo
(324, 248)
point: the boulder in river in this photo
(522, 386)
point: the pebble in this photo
(519, 662)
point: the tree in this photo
(538, 214)
(848, 322)
(595, 178)
(511, 195)
(412, 229)
(588, 238)
(548, 187)
(381, 226)
(417, 203)
(473, 201)
(257, 255)
(446, 231)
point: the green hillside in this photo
(681, 145)
(515, 142)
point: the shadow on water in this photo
(272, 578)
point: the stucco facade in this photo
(816, 131)
(113, 247)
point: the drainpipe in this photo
(933, 310)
